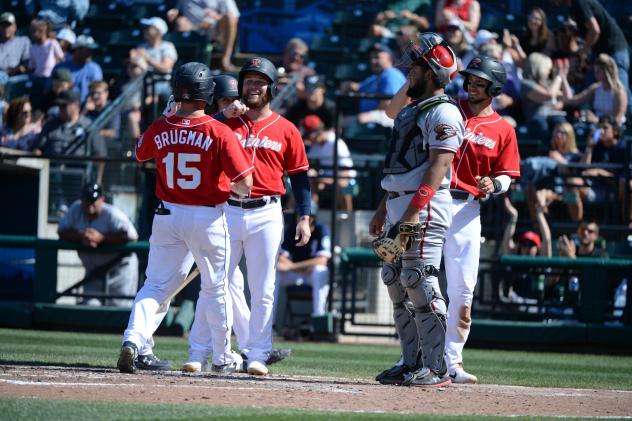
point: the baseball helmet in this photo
(263, 66)
(193, 81)
(225, 86)
(487, 68)
(91, 192)
(434, 51)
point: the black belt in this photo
(462, 195)
(252, 204)
(161, 210)
(396, 194)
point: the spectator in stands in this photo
(539, 92)
(65, 134)
(537, 39)
(307, 264)
(567, 46)
(4, 79)
(66, 38)
(45, 51)
(218, 19)
(131, 110)
(320, 141)
(584, 243)
(315, 102)
(292, 66)
(402, 16)
(601, 34)
(607, 96)
(14, 50)
(467, 11)
(606, 147)
(106, 141)
(19, 132)
(59, 12)
(84, 71)
(61, 81)
(93, 222)
(159, 54)
(460, 40)
(386, 80)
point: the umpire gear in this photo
(225, 86)
(487, 68)
(193, 82)
(262, 66)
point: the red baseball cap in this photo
(310, 123)
(531, 236)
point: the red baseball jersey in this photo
(196, 159)
(489, 148)
(274, 146)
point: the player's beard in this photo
(416, 90)
(259, 103)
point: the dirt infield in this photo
(303, 392)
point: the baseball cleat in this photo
(394, 375)
(236, 366)
(424, 377)
(194, 367)
(257, 368)
(460, 376)
(152, 363)
(127, 358)
(277, 355)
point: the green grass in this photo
(31, 409)
(321, 359)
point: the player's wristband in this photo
(422, 197)
(497, 186)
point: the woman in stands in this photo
(19, 131)
(537, 39)
(607, 96)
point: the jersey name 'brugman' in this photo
(255, 142)
(183, 137)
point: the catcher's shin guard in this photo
(406, 328)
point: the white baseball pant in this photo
(461, 254)
(202, 231)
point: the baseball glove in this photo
(392, 243)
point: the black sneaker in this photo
(424, 377)
(277, 355)
(394, 375)
(127, 358)
(152, 363)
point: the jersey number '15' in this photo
(191, 176)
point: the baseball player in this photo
(224, 95)
(198, 164)
(255, 220)
(484, 164)
(426, 136)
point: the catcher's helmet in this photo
(436, 52)
(263, 66)
(487, 68)
(225, 86)
(193, 81)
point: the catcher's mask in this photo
(434, 51)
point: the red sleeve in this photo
(508, 162)
(145, 148)
(295, 156)
(234, 159)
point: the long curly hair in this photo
(13, 111)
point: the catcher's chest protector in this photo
(407, 147)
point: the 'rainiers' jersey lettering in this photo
(490, 148)
(275, 147)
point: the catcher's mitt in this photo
(392, 243)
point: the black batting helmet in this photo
(487, 68)
(225, 86)
(193, 81)
(263, 66)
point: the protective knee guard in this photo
(390, 277)
(406, 328)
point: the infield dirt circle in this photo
(304, 392)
